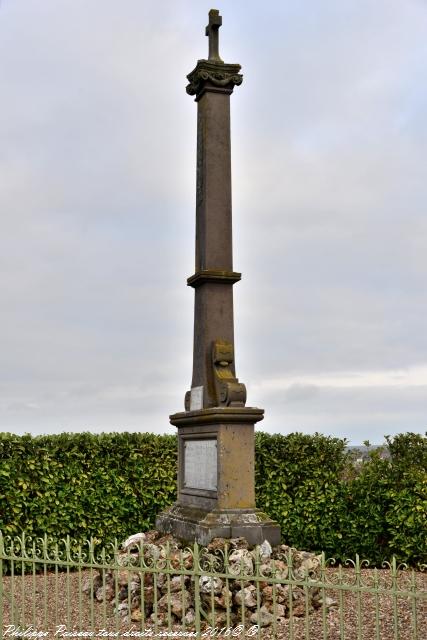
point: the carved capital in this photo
(213, 76)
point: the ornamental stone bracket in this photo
(229, 391)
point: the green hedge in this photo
(112, 485)
(325, 501)
(82, 485)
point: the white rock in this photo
(329, 602)
(246, 596)
(208, 584)
(151, 554)
(190, 617)
(123, 609)
(135, 586)
(136, 539)
(265, 550)
(241, 561)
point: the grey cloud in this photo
(374, 412)
(97, 158)
(297, 392)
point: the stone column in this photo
(216, 488)
(214, 277)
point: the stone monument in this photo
(216, 488)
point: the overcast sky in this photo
(97, 201)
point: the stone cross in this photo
(212, 30)
(216, 485)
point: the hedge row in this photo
(325, 500)
(83, 485)
(112, 485)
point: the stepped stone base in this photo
(190, 523)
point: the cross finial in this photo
(215, 21)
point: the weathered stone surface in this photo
(190, 617)
(134, 540)
(187, 560)
(217, 544)
(136, 615)
(168, 539)
(298, 610)
(91, 585)
(265, 550)
(263, 617)
(135, 603)
(126, 558)
(123, 609)
(226, 597)
(159, 618)
(177, 583)
(149, 595)
(227, 76)
(151, 553)
(105, 593)
(303, 562)
(282, 593)
(327, 602)
(135, 585)
(279, 609)
(241, 561)
(219, 618)
(246, 596)
(152, 535)
(179, 603)
(265, 569)
(208, 584)
(224, 600)
(280, 569)
(237, 543)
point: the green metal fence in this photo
(63, 589)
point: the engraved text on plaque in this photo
(200, 464)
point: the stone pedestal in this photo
(216, 496)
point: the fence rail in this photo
(62, 589)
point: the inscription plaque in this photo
(196, 399)
(200, 464)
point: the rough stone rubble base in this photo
(165, 598)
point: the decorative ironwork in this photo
(194, 588)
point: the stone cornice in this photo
(212, 275)
(214, 76)
(217, 415)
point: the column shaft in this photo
(213, 205)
